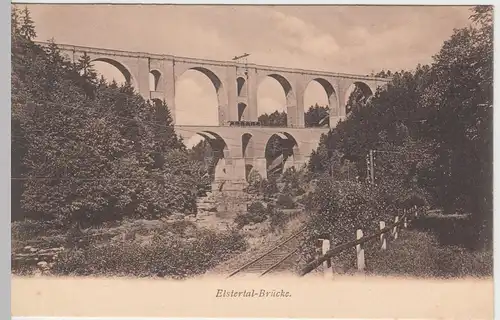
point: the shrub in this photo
(285, 201)
(414, 199)
(277, 219)
(256, 213)
(256, 208)
(269, 188)
(420, 254)
(340, 207)
(165, 256)
(292, 181)
(29, 229)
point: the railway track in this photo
(276, 259)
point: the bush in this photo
(256, 208)
(269, 188)
(29, 229)
(277, 219)
(449, 230)
(292, 181)
(339, 208)
(285, 201)
(414, 199)
(165, 256)
(256, 213)
(420, 254)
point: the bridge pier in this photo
(260, 165)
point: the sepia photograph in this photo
(252, 160)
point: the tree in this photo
(382, 74)
(356, 99)
(317, 116)
(269, 187)
(460, 100)
(27, 28)
(275, 119)
(434, 123)
(203, 154)
(88, 75)
(14, 22)
(88, 158)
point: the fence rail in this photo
(402, 220)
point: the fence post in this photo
(360, 252)
(383, 239)
(319, 245)
(395, 230)
(327, 265)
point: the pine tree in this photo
(86, 69)
(102, 82)
(27, 29)
(14, 23)
(88, 75)
(56, 67)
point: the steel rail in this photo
(252, 262)
(274, 266)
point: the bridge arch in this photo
(241, 86)
(359, 91)
(280, 152)
(285, 84)
(242, 107)
(247, 152)
(154, 79)
(220, 91)
(246, 145)
(219, 153)
(124, 70)
(365, 88)
(331, 96)
(290, 101)
(217, 143)
(242, 94)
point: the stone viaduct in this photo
(242, 148)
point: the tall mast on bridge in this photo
(242, 58)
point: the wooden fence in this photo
(328, 254)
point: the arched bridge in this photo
(241, 149)
(236, 83)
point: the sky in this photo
(350, 39)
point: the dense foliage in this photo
(275, 119)
(292, 182)
(87, 151)
(431, 128)
(166, 255)
(256, 213)
(317, 116)
(347, 206)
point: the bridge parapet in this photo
(137, 54)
